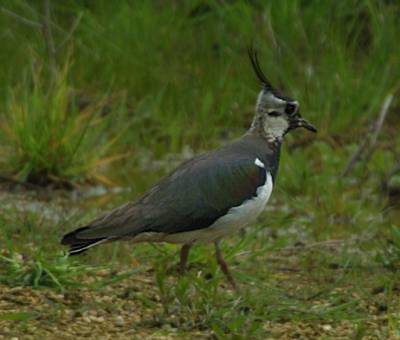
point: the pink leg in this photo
(223, 265)
(184, 256)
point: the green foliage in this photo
(42, 271)
(18, 316)
(46, 138)
(389, 254)
(185, 69)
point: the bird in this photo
(212, 195)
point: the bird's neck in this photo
(259, 128)
(263, 148)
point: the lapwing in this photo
(211, 195)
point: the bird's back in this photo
(194, 196)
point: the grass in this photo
(156, 79)
(305, 263)
(40, 272)
(173, 82)
(47, 138)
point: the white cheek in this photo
(276, 126)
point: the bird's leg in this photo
(184, 256)
(224, 265)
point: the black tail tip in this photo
(78, 245)
(71, 238)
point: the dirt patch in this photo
(133, 308)
(113, 312)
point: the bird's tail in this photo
(78, 245)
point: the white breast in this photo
(235, 219)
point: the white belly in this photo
(237, 218)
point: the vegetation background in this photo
(99, 99)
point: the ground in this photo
(289, 288)
(134, 308)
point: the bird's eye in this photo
(290, 108)
(274, 114)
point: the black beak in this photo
(297, 121)
(301, 122)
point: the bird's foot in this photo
(182, 267)
(224, 267)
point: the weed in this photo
(46, 139)
(57, 272)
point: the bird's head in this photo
(276, 114)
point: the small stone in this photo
(96, 318)
(327, 327)
(20, 258)
(86, 319)
(119, 321)
(103, 272)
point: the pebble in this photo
(86, 319)
(96, 318)
(103, 272)
(119, 321)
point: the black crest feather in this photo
(257, 69)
